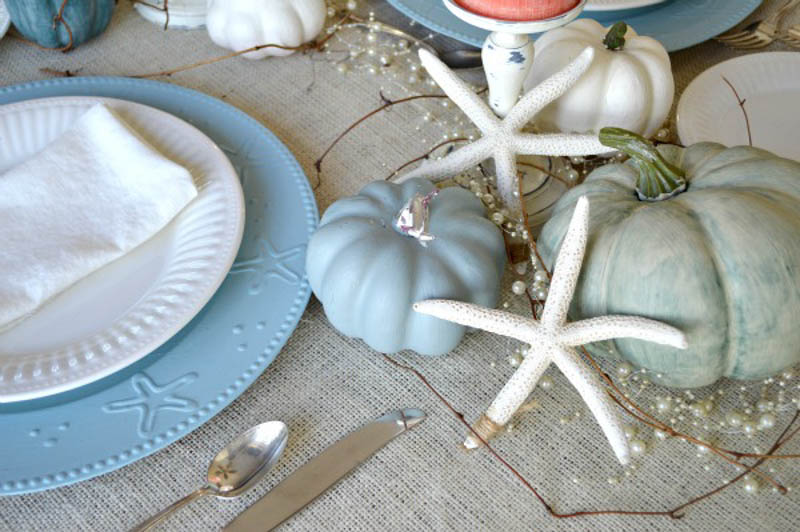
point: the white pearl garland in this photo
(732, 410)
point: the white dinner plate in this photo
(122, 312)
(615, 5)
(770, 85)
(5, 19)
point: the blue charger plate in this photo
(105, 425)
(677, 24)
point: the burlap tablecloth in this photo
(323, 385)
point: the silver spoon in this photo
(236, 469)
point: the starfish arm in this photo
(505, 164)
(519, 386)
(591, 389)
(538, 97)
(458, 161)
(608, 327)
(562, 144)
(567, 267)
(491, 320)
(458, 91)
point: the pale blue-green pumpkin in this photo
(35, 20)
(367, 274)
(720, 260)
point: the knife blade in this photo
(310, 480)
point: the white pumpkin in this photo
(630, 87)
(242, 24)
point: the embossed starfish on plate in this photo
(270, 262)
(151, 399)
(552, 339)
(503, 139)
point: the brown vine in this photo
(741, 103)
(57, 19)
(164, 8)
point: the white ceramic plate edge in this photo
(233, 233)
(707, 95)
(619, 5)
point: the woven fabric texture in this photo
(324, 385)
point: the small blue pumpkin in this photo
(705, 238)
(35, 20)
(367, 273)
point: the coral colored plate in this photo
(677, 24)
(114, 421)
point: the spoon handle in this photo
(166, 512)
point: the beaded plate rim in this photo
(224, 392)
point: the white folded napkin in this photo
(91, 196)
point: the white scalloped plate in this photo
(122, 312)
(5, 19)
(614, 5)
(769, 83)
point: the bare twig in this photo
(511, 468)
(744, 111)
(351, 127)
(424, 156)
(164, 8)
(58, 19)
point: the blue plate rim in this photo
(228, 392)
(747, 7)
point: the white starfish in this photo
(552, 339)
(503, 139)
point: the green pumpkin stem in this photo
(615, 38)
(658, 178)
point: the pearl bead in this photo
(750, 485)
(572, 175)
(545, 383)
(638, 447)
(515, 360)
(630, 431)
(624, 369)
(521, 267)
(540, 277)
(749, 427)
(767, 421)
(698, 409)
(541, 295)
(663, 404)
(734, 419)
(351, 5)
(660, 434)
(519, 287)
(342, 67)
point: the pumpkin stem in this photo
(658, 178)
(615, 38)
(414, 218)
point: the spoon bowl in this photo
(236, 468)
(245, 460)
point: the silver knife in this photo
(309, 481)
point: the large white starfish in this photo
(503, 139)
(552, 339)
